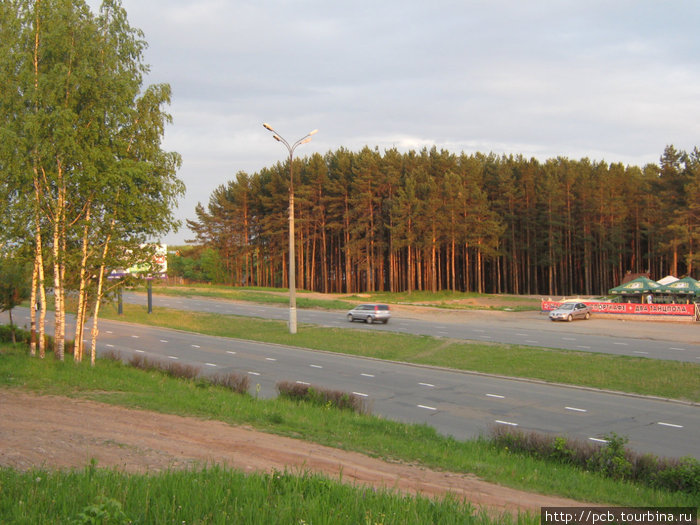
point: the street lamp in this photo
(292, 266)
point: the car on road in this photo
(570, 311)
(370, 313)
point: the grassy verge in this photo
(443, 299)
(668, 379)
(216, 495)
(116, 383)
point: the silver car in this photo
(369, 313)
(570, 311)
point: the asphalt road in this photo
(654, 340)
(460, 404)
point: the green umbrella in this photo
(685, 286)
(637, 286)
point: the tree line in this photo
(85, 183)
(435, 220)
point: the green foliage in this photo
(15, 284)
(612, 460)
(105, 511)
(446, 221)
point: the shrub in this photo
(613, 459)
(321, 396)
(236, 382)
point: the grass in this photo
(216, 495)
(118, 384)
(442, 299)
(667, 379)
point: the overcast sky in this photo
(608, 80)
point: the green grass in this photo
(216, 495)
(118, 384)
(667, 379)
(442, 299)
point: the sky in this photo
(611, 81)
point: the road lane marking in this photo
(509, 423)
(135, 336)
(109, 346)
(427, 384)
(211, 364)
(679, 349)
(367, 375)
(426, 407)
(360, 394)
(173, 357)
(195, 346)
(315, 366)
(497, 396)
(569, 338)
(670, 425)
(163, 340)
(574, 409)
(254, 373)
(642, 353)
(109, 332)
(621, 344)
(598, 440)
(302, 383)
(140, 351)
(230, 352)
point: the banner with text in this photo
(630, 308)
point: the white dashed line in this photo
(270, 359)
(598, 440)
(211, 364)
(427, 384)
(426, 407)
(254, 373)
(109, 332)
(172, 357)
(621, 344)
(109, 346)
(367, 375)
(315, 366)
(163, 340)
(135, 336)
(195, 346)
(302, 383)
(672, 425)
(642, 353)
(139, 351)
(360, 394)
(574, 409)
(510, 424)
(230, 352)
(497, 396)
(679, 349)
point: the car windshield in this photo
(567, 306)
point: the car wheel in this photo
(588, 315)
(369, 319)
(350, 318)
(385, 321)
(570, 318)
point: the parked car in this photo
(369, 313)
(570, 311)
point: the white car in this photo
(369, 313)
(570, 311)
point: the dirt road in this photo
(56, 432)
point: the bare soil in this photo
(63, 433)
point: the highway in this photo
(455, 403)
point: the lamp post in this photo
(292, 266)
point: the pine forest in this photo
(434, 220)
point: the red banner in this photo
(630, 308)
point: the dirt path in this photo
(57, 432)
